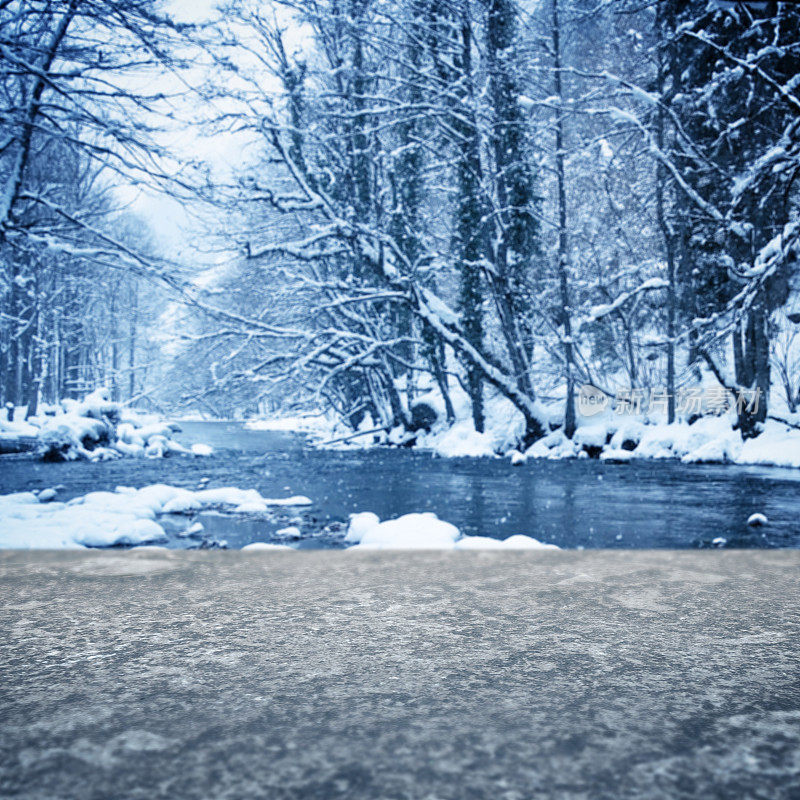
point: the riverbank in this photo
(560, 674)
(92, 429)
(610, 436)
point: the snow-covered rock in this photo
(616, 455)
(231, 496)
(517, 458)
(591, 435)
(193, 530)
(360, 524)
(425, 532)
(181, 503)
(97, 429)
(291, 532)
(294, 500)
(27, 523)
(629, 432)
(516, 542)
(552, 442)
(659, 441)
(125, 516)
(410, 532)
(258, 546)
(251, 507)
(712, 440)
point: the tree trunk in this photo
(470, 218)
(664, 225)
(114, 348)
(36, 357)
(563, 244)
(436, 357)
(751, 358)
(516, 227)
(132, 342)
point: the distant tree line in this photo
(78, 119)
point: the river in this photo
(576, 503)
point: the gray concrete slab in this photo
(432, 675)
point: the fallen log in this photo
(352, 436)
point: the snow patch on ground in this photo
(777, 446)
(316, 424)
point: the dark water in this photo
(569, 503)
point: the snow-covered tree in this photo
(734, 100)
(79, 115)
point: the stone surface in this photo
(431, 675)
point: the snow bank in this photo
(129, 516)
(97, 429)
(611, 436)
(425, 532)
(777, 446)
(125, 516)
(19, 427)
(463, 440)
(504, 429)
(709, 440)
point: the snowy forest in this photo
(462, 327)
(401, 211)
